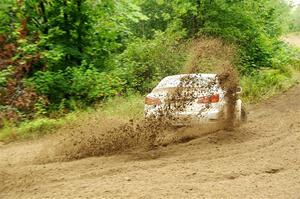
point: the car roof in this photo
(197, 75)
(174, 80)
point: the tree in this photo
(62, 28)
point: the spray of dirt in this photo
(208, 55)
(229, 82)
(100, 136)
(212, 55)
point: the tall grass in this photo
(122, 108)
(125, 108)
(34, 128)
(264, 85)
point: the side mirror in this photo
(239, 90)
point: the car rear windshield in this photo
(195, 81)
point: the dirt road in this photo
(259, 160)
(293, 39)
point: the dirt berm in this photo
(261, 159)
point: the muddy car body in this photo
(191, 98)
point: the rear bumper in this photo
(211, 116)
(184, 119)
(217, 113)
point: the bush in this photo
(83, 84)
(91, 85)
(147, 61)
(264, 84)
(54, 85)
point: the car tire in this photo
(243, 115)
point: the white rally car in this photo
(192, 98)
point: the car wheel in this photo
(241, 118)
(243, 115)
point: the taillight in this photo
(152, 101)
(214, 98)
(203, 100)
(209, 99)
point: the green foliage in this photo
(81, 83)
(295, 58)
(264, 84)
(7, 17)
(3, 76)
(34, 128)
(295, 20)
(91, 85)
(51, 84)
(110, 29)
(254, 25)
(147, 61)
(63, 26)
(124, 107)
(63, 48)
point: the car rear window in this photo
(187, 81)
